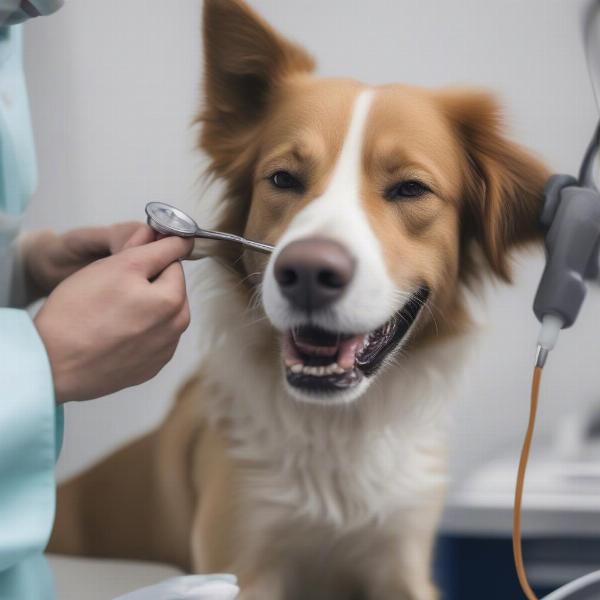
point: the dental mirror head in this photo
(169, 220)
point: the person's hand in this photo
(49, 258)
(190, 587)
(116, 322)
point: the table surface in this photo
(562, 498)
(102, 579)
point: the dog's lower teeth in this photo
(316, 371)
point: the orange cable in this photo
(517, 542)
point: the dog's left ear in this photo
(504, 184)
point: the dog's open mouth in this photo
(324, 361)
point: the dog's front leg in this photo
(401, 568)
(404, 575)
(401, 580)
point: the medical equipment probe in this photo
(571, 220)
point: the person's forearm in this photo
(11, 278)
(16, 287)
(20, 289)
(24, 289)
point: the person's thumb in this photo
(141, 236)
(154, 257)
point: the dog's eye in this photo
(407, 189)
(285, 181)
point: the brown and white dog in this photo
(308, 454)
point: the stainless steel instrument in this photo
(168, 220)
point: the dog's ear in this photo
(244, 60)
(504, 183)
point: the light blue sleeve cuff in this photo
(30, 437)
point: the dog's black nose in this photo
(314, 272)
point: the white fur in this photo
(340, 466)
(372, 297)
(339, 214)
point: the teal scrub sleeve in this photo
(18, 173)
(30, 439)
(30, 425)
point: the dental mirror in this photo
(168, 220)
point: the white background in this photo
(114, 88)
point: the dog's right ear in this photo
(244, 60)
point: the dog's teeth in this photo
(317, 371)
(332, 368)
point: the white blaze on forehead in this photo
(347, 173)
(339, 214)
(343, 191)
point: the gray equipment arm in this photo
(571, 220)
(571, 217)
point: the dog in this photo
(308, 454)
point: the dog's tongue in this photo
(314, 343)
(348, 349)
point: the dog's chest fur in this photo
(343, 466)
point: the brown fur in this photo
(179, 495)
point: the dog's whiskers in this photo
(428, 304)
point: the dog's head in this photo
(376, 198)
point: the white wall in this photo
(114, 87)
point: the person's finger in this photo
(139, 236)
(89, 241)
(155, 257)
(172, 281)
(98, 242)
(182, 320)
